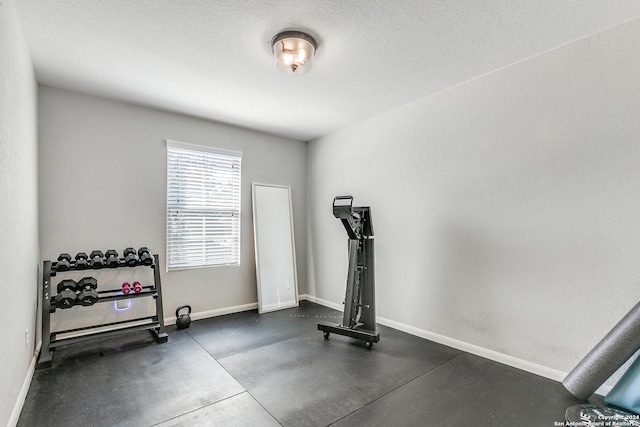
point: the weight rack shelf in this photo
(50, 340)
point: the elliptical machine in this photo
(359, 319)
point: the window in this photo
(203, 206)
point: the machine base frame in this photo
(361, 334)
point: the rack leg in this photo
(44, 361)
(160, 335)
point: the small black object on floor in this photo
(183, 321)
(275, 369)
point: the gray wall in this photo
(18, 215)
(506, 209)
(103, 185)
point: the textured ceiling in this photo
(212, 58)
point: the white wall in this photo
(103, 185)
(506, 209)
(18, 215)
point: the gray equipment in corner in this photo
(606, 357)
(359, 319)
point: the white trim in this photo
(196, 147)
(514, 362)
(477, 350)
(604, 390)
(324, 302)
(17, 408)
(237, 309)
(215, 313)
(463, 346)
(460, 345)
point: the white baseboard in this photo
(17, 408)
(214, 313)
(515, 362)
(239, 308)
(324, 302)
(604, 390)
(450, 342)
(461, 345)
(477, 350)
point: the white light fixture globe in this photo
(293, 52)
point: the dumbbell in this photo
(66, 297)
(64, 262)
(88, 294)
(97, 259)
(137, 287)
(82, 261)
(127, 288)
(111, 258)
(130, 257)
(145, 256)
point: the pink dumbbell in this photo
(126, 288)
(137, 287)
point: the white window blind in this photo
(203, 206)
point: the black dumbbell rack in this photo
(50, 341)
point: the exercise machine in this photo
(359, 318)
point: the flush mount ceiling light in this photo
(293, 52)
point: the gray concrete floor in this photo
(276, 369)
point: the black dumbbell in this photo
(130, 257)
(145, 256)
(97, 259)
(111, 257)
(64, 262)
(82, 261)
(66, 297)
(88, 294)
